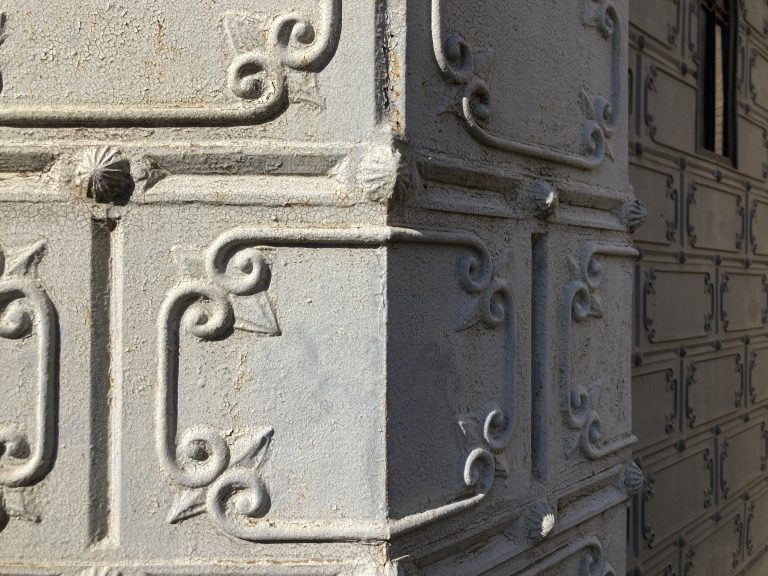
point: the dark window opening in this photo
(717, 78)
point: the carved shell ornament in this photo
(637, 213)
(632, 479)
(26, 313)
(104, 175)
(540, 521)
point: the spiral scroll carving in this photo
(455, 58)
(294, 42)
(26, 312)
(580, 302)
(202, 460)
(221, 476)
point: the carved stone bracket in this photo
(222, 479)
(580, 302)
(457, 61)
(257, 77)
(27, 312)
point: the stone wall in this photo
(337, 291)
(699, 382)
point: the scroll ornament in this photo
(581, 301)
(221, 474)
(214, 469)
(468, 67)
(291, 43)
(26, 313)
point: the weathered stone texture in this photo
(338, 288)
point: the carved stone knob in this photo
(545, 198)
(636, 215)
(632, 481)
(104, 175)
(540, 521)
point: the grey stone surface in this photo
(284, 290)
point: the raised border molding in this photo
(454, 56)
(204, 309)
(26, 311)
(579, 302)
(293, 43)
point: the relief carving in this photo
(460, 63)
(674, 29)
(650, 87)
(220, 475)
(104, 175)
(670, 420)
(495, 308)
(257, 75)
(725, 488)
(27, 313)
(709, 468)
(581, 301)
(593, 561)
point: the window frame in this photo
(730, 157)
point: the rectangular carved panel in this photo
(47, 307)
(759, 231)
(758, 65)
(663, 22)
(742, 458)
(670, 110)
(715, 218)
(655, 404)
(658, 189)
(678, 304)
(713, 388)
(755, 13)
(680, 490)
(743, 301)
(168, 63)
(717, 547)
(758, 375)
(757, 524)
(753, 137)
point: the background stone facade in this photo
(699, 384)
(342, 290)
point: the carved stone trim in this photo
(670, 420)
(709, 467)
(26, 312)
(672, 195)
(454, 56)
(235, 267)
(648, 534)
(257, 77)
(593, 563)
(580, 301)
(690, 382)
